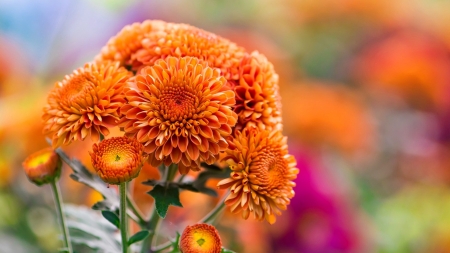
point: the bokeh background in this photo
(365, 88)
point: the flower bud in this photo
(118, 160)
(43, 167)
(200, 238)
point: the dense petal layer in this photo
(181, 112)
(261, 181)
(142, 44)
(85, 103)
(258, 103)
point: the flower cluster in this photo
(183, 96)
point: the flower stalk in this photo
(123, 216)
(155, 219)
(59, 209)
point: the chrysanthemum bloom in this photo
(118, 159)
(142, 44)
(200, 238)
(180, 111)
(262, 173)
(258, 103)
(85, 103)
(43, 167)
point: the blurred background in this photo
(365, 88)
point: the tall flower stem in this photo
(123, 216)
(59, 209)
(169, 174)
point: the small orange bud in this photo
(200, 238)
(43, 167)
(118, 159)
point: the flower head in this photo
(200, 238)
(85, 103)
(262, 174)
(118, 159)
(142, 44)
(258, 103)
(180, 111)
(43, 167)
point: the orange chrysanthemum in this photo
(258, 103)
(262, 173)
(85, 103)
(142, 44)
(118, 160)
(200, 238)
(43, 167)
(180, 111)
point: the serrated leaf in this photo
(165, 196)
(210, 167)
(86, 227)
(200, 182)
(188, 186)
(105, 205)
(139, 236)
(111, 217)
(226, 251)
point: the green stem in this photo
(123, 216)
(59, 210)
(169, 174)
(212, 215)
(140, 220)
(209, 218)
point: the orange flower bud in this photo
(118, 159)
(200, 238)
(43, 166)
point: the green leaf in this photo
(200, 182)
(188, 186)
(139, 236)
(210, 167)
(111, 217)
(226, 251)
(86, 227)
(151, 182)
(165, 196)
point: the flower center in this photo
(40, 159)
(270, 168)
(178, 103)
(200, 241)
(77, 88)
